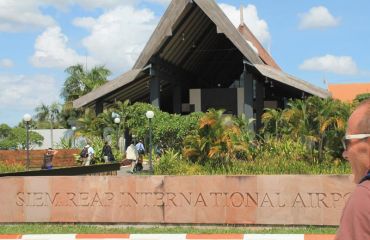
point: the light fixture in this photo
(73, 136)
(27, 118)
(117, 120)
(150, 115)
(271, 84)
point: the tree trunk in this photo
(51, 134)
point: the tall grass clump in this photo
(9, 168)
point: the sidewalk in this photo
(170, 236)
(126, 170)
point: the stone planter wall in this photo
(64, 157)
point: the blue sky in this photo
(309, 39)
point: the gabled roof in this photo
(215, 14)
(200, 18)
(263, 54)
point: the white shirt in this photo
(90, 151)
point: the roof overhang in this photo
(107, 88)
(290, 80)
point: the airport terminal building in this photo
(195, 60)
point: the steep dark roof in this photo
(196, 37)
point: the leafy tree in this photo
(170, 129)
(80, 81)
(5, 130)
(17, 139)
(68, 116)
(50, 114)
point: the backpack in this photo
(84, 153)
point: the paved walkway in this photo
(127, 170)
(170, 236)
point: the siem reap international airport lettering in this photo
(182, 199)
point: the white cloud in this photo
(118, 36)
(343, 65)
(18, 16)
(93, 4)
(259, 27)
(6, 63)
(85, 22)
(318, 17)
(163, 2)
(51, 50)
(26, 92)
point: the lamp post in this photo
(117, 120)
(27, 119)
(150, 115)
(74, 136)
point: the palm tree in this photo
(218, 139)
(80, 81)
(49, 113)
(272, 121)
(87, 123)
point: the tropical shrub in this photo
(317, 123)
(361, 97)
(170, 129)
(218, 141)
(172, 163)
(9, 168)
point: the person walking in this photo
(48, 159)
(355, 220)
(132, 155)
(107, 153)
(140, 149)
(87, 154)
(84, 155)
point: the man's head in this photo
(357, 151)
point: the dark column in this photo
(248, 94)
(259, 103)
(155, 91)
(176, 96)
(98, 107)
(154, 88)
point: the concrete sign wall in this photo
(286, 199)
